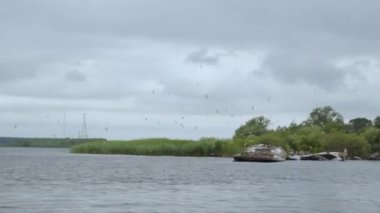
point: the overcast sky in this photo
(183, 69)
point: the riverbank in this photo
(168, 147)
(161, 146)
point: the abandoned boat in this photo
(262, 153)
(322, 156)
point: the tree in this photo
(359, 124)
(376, 122)
(372, 135)
(256, 126)
(355, 144)
(309, 139)
(325, 117)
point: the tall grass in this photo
(161, 146)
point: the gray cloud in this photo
(305, 69)
(75, 76)
(14, 71)
(303, 53)
(202, 56)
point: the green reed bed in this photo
(160, 147)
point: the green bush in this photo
(355, 144)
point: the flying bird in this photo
(269, 98)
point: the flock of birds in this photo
(181, 121)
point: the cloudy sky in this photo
(183, 69)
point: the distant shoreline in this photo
(44, 142)
(205, 147)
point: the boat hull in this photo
(256, 159)
(322, 156)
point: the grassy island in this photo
(324, 130)
(161, 146)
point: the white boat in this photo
(322, 156)
(262, 153)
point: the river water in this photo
(54, 180)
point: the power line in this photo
(83, 133)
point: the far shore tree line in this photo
(323, 130)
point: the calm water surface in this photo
(54, 180)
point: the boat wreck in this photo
(262, 153)
(322, 156)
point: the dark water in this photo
(53, 180)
